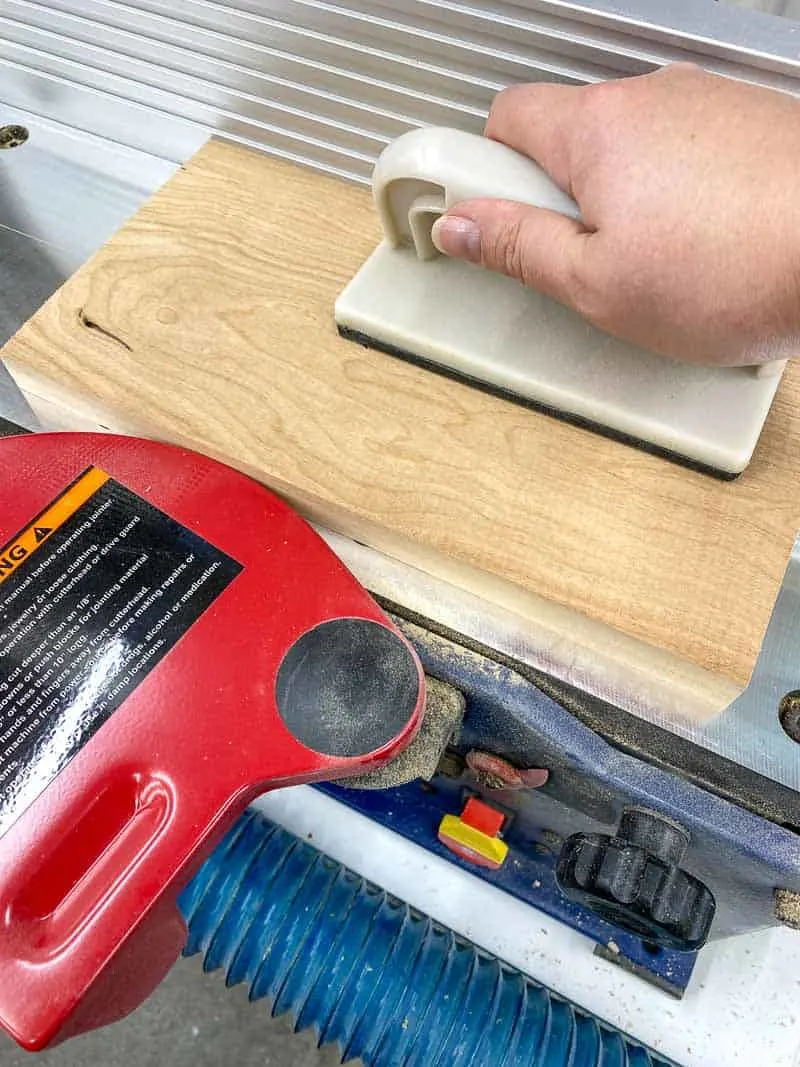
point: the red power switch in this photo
(473, 835)
(174, 640)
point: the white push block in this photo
(469, 322)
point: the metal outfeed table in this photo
(114, 97)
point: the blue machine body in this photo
(739, 855)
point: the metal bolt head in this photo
(12, 136)
(789, 715)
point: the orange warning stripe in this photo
(23, 546)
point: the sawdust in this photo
(787, 908)
(444, 710)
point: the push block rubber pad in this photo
(174, 640)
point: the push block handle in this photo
(425, 172)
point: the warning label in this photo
(93, 595)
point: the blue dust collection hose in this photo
(367, 972)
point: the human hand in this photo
(688, 186)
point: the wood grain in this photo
(208, 320)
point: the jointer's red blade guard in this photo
(173, 641)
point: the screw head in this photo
(789, 715)
(12, 136)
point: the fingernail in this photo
(458, 237)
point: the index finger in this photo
(537, 120)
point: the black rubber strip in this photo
(507, 394)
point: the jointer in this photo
(614, 635)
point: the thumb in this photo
(543, 249)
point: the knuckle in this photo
(681, 70)
(605, 97)
(506, 250)
(503, 103)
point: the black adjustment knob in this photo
(633, 880)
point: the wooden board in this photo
(208, 320)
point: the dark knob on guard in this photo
(633, 880)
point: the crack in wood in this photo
(90, 324)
